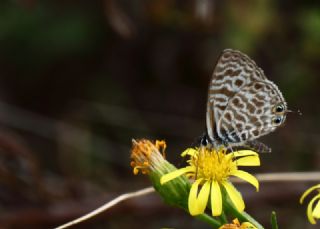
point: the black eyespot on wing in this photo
(279, 109)
(277, 120)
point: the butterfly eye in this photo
(279, 108)
(277, 120)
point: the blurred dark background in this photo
(80, 79)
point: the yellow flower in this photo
(312, 212)
(210, 170)
(236, 225)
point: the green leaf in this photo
(274, 224)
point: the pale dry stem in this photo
(108, 205)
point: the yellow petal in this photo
(248, 161)
(189, 151)
(316, 210)
(242, 153)
(192, 201)
(247, 177)
(307, 192)
(216, 199)
(172, 175)
(234, 195)
(204, 196)
(198, 203)
(309, 209)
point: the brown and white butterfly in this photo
(243, 104)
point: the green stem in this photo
(209, 220)
(274, 224)
(223, 218)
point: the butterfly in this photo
(242, 104)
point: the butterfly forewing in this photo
(233, 71)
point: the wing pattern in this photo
(241, 100)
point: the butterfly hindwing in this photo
(249, 113)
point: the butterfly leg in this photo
(257, 146)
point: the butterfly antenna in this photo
(291, 111)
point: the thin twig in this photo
(283, 177)
(108, 205)
(288, 177)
